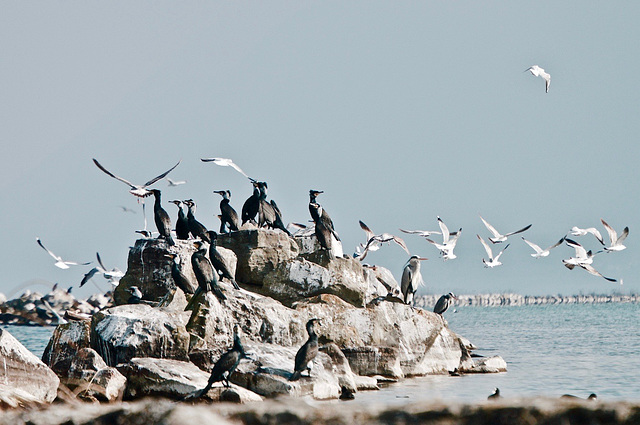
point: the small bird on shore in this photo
(496, 394)
(411, 278)
(226, 364)
(140, 191)
(616, 241)
(60, 263)
(497, 237)
(306, 353)
(324, 229)
(228, 216)
(493, 262)
(539, 72)
(444, 302)
(539, 252)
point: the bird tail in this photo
(234, 283)
(193, 299)
(170, 240)
(295, 376)
(216, 290)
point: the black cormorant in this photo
(306, 353)
(496, 394)
(182, 225)
(196, 228)
(205, 274)
(179, 278)
(320, 214)
(251, 205)
(163, 222)
(411, 278)
(444, 302)
(268, 212)
(229, 216)
(226, 364)
(218, 261)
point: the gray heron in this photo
(443, 303)
(411, 278)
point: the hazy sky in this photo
(400, 112)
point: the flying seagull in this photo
(137, 190)
(423, 233)
(368, 234)
(173, 183)
(493, 262)
(376, 240)
(539, 252)
(581, 258)
(497, 237)
(616, 241)
(576, 231)
(60, 263)
(226, 162)
(113, 275)
(449, 241)
(539, 72)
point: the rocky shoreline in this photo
(165, 344)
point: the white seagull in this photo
(113, 275)
(423, 233)
(368, 234)
(375, 241)
(136, 190)
(589, 268)
(576, 231)
(539, 252)
(539, 72)
(173, 183)
(497, 237)
(225, 162)
(581, 258)
(493, 262)
(60, 263)
(616, 242)
(449, 241)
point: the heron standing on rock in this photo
(444, 302)
(411, 278)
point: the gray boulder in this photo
(23, 376)
(66, 341)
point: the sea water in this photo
(550, 350)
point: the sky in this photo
(399, 112)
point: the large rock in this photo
(121, 333)
(66, 341)
(23, 376)
(173, 379)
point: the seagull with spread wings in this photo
(539, 72)
(539, 252)
(497, 237)
(449, 241)
(616, 241)
(60, 263)
(226, 162)
(137, 190)
(493, 261)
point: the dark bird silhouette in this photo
(268, 212)
(196, 228)
(163, 222)
(228, 216)
(226, 364)
(205, 274)
(136, 295)
(251, 205)
(496, 395)
(592, 397)
(444, 302)
(306, 353)
(182, 226)
(218, 261)
(179, 278)
(320, 214)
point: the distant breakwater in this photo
(498, 300)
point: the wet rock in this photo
(493, 364)
(66, 341)
(23, 376)
(174, 379)
(121, 333)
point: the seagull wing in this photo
(595, 233)
(580, 251)
(401, 243)
(161, 176)
(55, 257)
(492, 229)
(503, 249)
(486, 247)
(555, 244)
(113, 175)
(100, 262)
(225, 162)
(445, 231)
(589, 268)
(518, 231)
(613, 235)
(367, 231)
(535, 247)
(88, 276)
(624, 235)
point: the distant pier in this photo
(498, 300)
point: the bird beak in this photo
(422, 258)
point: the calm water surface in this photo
(550, 351)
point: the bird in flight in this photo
(539, 72)
(113, 275)
(173, 183)
(449, 241)
(497, 237)
(493, 262)
(226, 162)
(576, 231)
(616, 241)
(136, 190)
(539, 252)
(60, 263)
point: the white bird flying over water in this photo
(137, 190)
(449, 241)
(539, 252)
(423, 233)
(375, 241)
(113, 275)
(493, 262)
(173, 183)
(225, 162)
(497, 237)
(368, 234)
(60, 263)
(616, 241)
(576, 231)
(539, 72)
(582, 256)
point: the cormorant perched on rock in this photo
(496, 394)
(205, 274)
(411, 278)
(268, 212)
(251, 205)
(163, 222)
(136, 295)
(182, 226)
(218, 261)
(179, 278)
(444, 302)
(306, 353)
(229, 216)
(226, 364)
(196, 228)
(320, 214)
